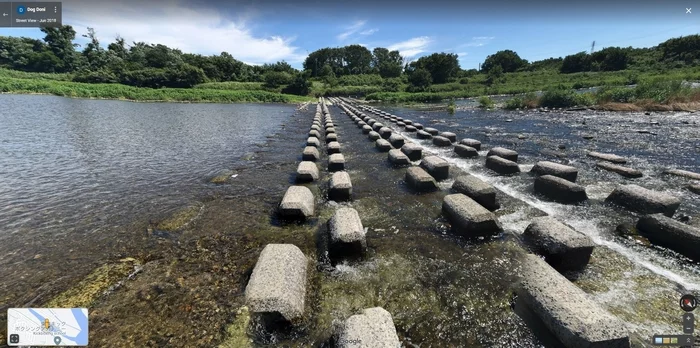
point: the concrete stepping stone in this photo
(366, 129)
(383, 145)
(556, 169)
(436, 166)
(469, 218)
(298, 203)
(331, 138)
(563, 248)
(378, 126)
(312, 141)
(449, 135)
(441, 141)
(476, 189)
(315, 127)
(340, 187)
(410, 129)
(560, 190)
(566, 310)
(694, 188)
(418, 179)
(396, 141)
(374, 328)
(315, 134)
(431, 131)
(333, 147)
(624, 171)
(683, 173)
(644, 201)
(310, 153)
(471, 143)
(466, 151)
(336, 162)
(400, 124)
(607, 157)
(398, 158)
(503, 153)
(418, 125)
(414, 152)
(373, 136)
(675, 235)
(330, 130)
(385, 132)
(307, 171)
(423, 135)
(278, 282)
(502, 165)
(408, 122)
(347, 235)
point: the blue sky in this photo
(270, 30)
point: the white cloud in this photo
(411, 47)
(355, 27)
(462, 54)
(176, 25)
(369, 31)
(478, 41)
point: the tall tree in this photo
(60, 43)
(508, 60)
(387, 63)
(441, 66)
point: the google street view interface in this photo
(369, 174)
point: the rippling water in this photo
(69, 167)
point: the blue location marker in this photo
(21, 10)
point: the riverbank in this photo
(113, 91)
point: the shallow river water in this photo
(84, 182)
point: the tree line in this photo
(155, 65)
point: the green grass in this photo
(233, 86)
(6, 73)
(117, 91)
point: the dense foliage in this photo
(507, 60)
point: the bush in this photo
(615, 95)
(361, 80)
(420, 78)
(274, 79)
(99, 76)
(662, 91)
(564, 98)
(463, 81)
(514, 103)
(393, 84)
(300, 86)
(485, 102)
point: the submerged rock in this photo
(374, 328)
(469, 218)
(566, 310)
(645, 201)
(278, 282)
(563, 248)
(675, 235)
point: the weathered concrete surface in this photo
(396, 141)
(436, 166)
(371, 122)
(366, 129)
(683, 173)
(566, 310)
(336, 162)
(385, 132)
(556, 169)
(645, 201)
(465, 151)
(441, 141)
(476, 189)
(563, 248)
(624, 171)
(471, 143)
(431, 131)
(311, 141)
(675, 235)
(413, 151)
(315, 134)
(502, 165)
(374, 328)
(378, 126)
(278, 282)
(423, 135)
(559, 189)
(331, 137)
(373, 135)
(347, 235)
(410, 129)
(469, 218)
(330, 130)
(315, 127)
(503, 153)
(418, 179)
(310, 153)
(383, 145)
(408, 122)
(418, 125)
(449, 135)
(307, 171)
(607, 157)
(340, 187)
(298, 203)
(398, 158)
(333, 147)
(400, 124)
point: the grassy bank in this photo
(54, 84)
